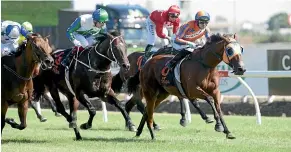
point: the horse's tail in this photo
(132, 83)
(117, 83)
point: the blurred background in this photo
(263, 28)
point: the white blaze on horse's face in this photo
(231, 50)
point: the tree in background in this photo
(278, 21)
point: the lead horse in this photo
(198, 76)
(88, 76)
(16, 76)
(136, 61)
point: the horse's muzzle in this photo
(48, 63)
(239, 71)
(125, 67)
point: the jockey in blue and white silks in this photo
(10, 32)
(84, 30)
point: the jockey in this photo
(84, 30)
(26, 28)
(10, 32)
(190, 36)
(156, 23)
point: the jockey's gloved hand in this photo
(76, 42)
(191, 44)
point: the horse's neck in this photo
(101, 62)
(24, 64)
(207, 57)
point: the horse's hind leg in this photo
(152, 104)
(136, 99)
(4, 107)
(91, 109)
(183, 121)
(201, 112)
(114, 101)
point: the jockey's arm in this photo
(207, 33)
(179, 36)
(73, 27)
(159, 31)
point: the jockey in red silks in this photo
(156, 23)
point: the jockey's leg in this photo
(83, 42)
(151, 36)
(178, 57)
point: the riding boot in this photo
(148, 51)
(177, 58)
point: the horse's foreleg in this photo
(91, 109)
(201, 112)
(4, 107)
(22, 111)
(60, 107)
(114, 101)
(183, 121)
(217, 98)
(37, 112)
(52, 104)
(74, 104)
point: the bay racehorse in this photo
(17, 71)
(89, 76)
(198, 76)
(136, 60)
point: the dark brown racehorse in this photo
(136, 63)
(16, 76)
(199, 78)
(89, 76)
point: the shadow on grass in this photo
(28, 141)
(123, 140)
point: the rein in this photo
(95, 49)
(15, 73)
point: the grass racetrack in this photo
(274, 135)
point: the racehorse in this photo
(17, 73)
(89, 76)
(136, 62)
(198, 76)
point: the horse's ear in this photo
(235, 36)
(46, 39)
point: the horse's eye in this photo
(229, 52)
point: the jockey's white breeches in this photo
(151, 32)
(7, 48)
(85, 41)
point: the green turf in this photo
(39, 13)
(54, 135)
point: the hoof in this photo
(230, 136)
(42, 119)
(219, 128)
(209, 120)
(183, 122)
(9, 120)
(58, 114)
(132, 128)
(157, 128)
(85, 126)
